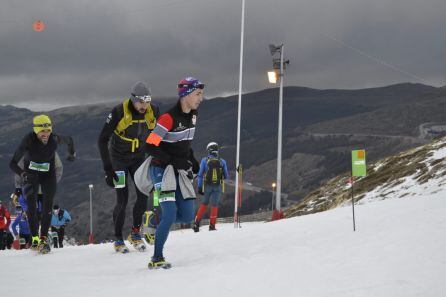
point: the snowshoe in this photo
(150, 238)
(44, 246)
(157, 263)
(120, 246)
(35, 243)
(135, 239)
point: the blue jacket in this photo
(21, 221)
(203, 169)
(61, 219)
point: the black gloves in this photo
(195, 166)
(110, 176)
(71, 157)
(200, 191)
(29, 178)
(18, 192)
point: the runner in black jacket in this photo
(38, 149)
(121, 144)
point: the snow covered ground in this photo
(399, 249)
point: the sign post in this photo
(359, 168)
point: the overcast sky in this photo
(94, 51)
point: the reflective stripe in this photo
(187, 134)
(160, 130)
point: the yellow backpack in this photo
(127, 120)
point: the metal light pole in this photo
(237, 162)
(279, 64)
(90, 238)
(272, 198)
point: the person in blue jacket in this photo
(20, 228)
(213, 171)
(59, 220)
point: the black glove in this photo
(18, 192)
(200, 191)
(181, 164)
(71, 157)
(29, 178)
(110, 176)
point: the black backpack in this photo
(214, 173)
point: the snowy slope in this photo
(414, 173)
(399, 249)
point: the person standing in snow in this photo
(173, 164)
(38, 149)
(5, 220)
(59, 219)
(128, 126)
(20, 228)
(213, 172)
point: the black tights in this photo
(48, 183)
(122, 197)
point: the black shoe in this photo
(212, 228)
(196, 226)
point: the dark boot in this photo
(212, 227)
(196, 226)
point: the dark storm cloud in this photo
(95, 52)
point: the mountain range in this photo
(320, 127)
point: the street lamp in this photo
(272, 198)
(90, 237)
(279, 64)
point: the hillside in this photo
(418, 172)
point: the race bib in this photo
(44, 167)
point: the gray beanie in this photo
(140, 89)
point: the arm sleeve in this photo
(8, 217)
(201, 172)
(58, 167)
(17, 178)
(225, 169)
(163, 125)
(18, 155)
(107, 131)
(67, 217)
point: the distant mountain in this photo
(320, 127)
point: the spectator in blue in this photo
(213, 171)
(20, 228)
(58, 222)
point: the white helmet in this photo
(212, 147)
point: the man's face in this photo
(194, 99)
(44, 135)
(141, 106)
